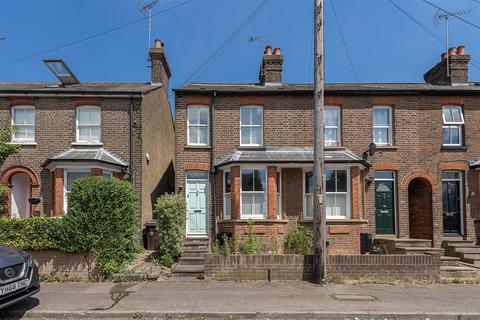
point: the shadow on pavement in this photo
(117, 293)
(18, 310)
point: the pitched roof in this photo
(333, 88)
(84, 87)
(88, 154)
(287, 155)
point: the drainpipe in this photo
(212, 168)
(131, 138)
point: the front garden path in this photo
(217, 300)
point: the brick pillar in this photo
(95, 172)
(284, 193)
(272, 192)
(299, 193)
(57, 192)
(235, 195)
(355, 180)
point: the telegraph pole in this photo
(319, 226)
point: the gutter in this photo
(75, 95)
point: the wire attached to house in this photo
(205, 65)
(344, 42)
(96, 35)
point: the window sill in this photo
(334, 148)
(387, 147)
(243, 147)
(193, 146)
(33, 144)
(87, 144)
(338, 221)
(454, 148)
(245, 221)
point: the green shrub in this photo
(4, 193)
(101, 219)
(250, 244)
(167, 261)
(171, 210)
(36, 233)
(299, 240)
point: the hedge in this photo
(171, 210)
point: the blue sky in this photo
(385, 46)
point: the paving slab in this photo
(249, 300)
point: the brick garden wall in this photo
(66, 265)
(298, 267)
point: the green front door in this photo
(197, 206)
(384, 207)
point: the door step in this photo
(459, 272)
(446, 261)
(466, 250)
(420, 250)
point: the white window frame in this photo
(279, 194)
(251, 126)
(460, 180)
(338, 127)
(453, 124)
(348, 195)
(90, 109)
(227, 215)
(27, 140)
(265, 192)
(107, 174)
(389, 127)
(198, 125)
(65, 183)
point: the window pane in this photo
(331, 117)
(446, 135)
(456, 115)
(259, 204)
(260, 181)
(455, 134)
(83, 116)
(329, 180)
(227, 206)
(341, 181)
(381, 117)
(383, 175)
(18, 116)
(247, 180)
(309, 182)
(84, 133)
(193, 135)
(228, 182)
(107, 174)
(75, 175)
(450, 175)
(309, 206)
(380, 135)
(193, 115)
(21, 133)
(257, 116)
(95, 133)
(203, 138)
(30, 133)
(447, 115)
(329, 205)
(341, 205)
(247, 201)
(245, 115)
(203, 116)
(330, 135)
(95, 116)
(256, 135)
(245, 136)
(197, 175)
(30, 116)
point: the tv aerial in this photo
(444, 15)
(145, 8)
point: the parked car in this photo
(18, 276)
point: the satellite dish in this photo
(372, 148)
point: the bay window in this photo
(89, 124)
(227, 196)
(453, 122)
(279, 195)
(23, 121)
(382, 125)
(69, 176)
(309, 194)
(197, 125)
(253, 193)
(251, 126)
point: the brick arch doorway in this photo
(420, 209)
(23, 184)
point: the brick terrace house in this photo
(124, 130)
(246, 151)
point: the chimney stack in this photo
(458, 68)
(160, 70)
(271, 67)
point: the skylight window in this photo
(61, 71)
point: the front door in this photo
(384, 207)
(451, 206)
(197, 205)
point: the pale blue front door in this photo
(197, 204)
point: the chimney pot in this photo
(452, 51)
(461, 50)
(444, 55)
(158, 43)
(268, 50)
(276, 52)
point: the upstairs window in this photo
(331, 120)
(382, 125)
(197, 125)
(452, 125)
(89, 124)
(251, 126)
(253, 193)
(23, 121)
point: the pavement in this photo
(247, 300)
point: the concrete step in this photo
(463, 256)
(194, 271)
(459, 271)
(447, 261)
(193, 253)
(191, 260)
(475, 250)
(420, 250)
(408, 243)
(475, 262)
